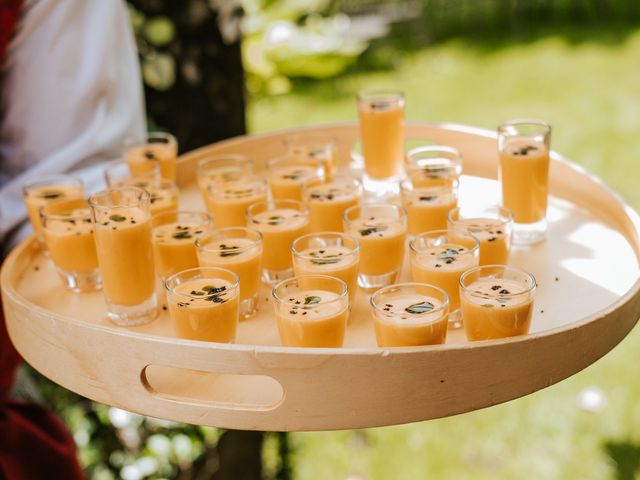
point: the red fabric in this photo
(34, 444)
(9, 11)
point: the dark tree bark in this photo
(203, 103)
(206, 101)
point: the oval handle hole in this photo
(224, 390)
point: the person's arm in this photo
(71, 94)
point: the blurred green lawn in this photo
(589, 89)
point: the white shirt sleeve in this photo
(71, 96)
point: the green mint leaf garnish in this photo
(373, 229)
(229, 250)
(328, 260)
(182, 235)
(276, 220)
(418, 308)
(487, 305)
(50, 195)
(117, 218)
(213, 290)
(311, 300)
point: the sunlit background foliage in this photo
(573, 62)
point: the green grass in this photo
(590, 92)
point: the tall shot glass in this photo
(381, 114)
(523, 147)
(123, 242)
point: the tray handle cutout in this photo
(211, 389)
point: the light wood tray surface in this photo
(587, 301)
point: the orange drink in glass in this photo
(410, 314)
(174, 238)
(328, 200)
(434, 166)
(381, 114)
(214, 168)
(37, 193)
(68, 233)
(203, 304)
(328, 253)
(439, 258)
(523, 148)
(492, 226)
(228, 199)
(314, 146)
(158, 147)
(286, 175)
(497, 302)
(427, 207)
(280, 222)
(381, 230)
(311, 311)
(123, 243)
(237, 249)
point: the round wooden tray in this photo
(588, 299)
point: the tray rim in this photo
(351, 387)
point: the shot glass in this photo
(497, 301)
(117, 174)
(228, 199)
(159, 147)
(381, 114)
(328, 200)
(122, 228)
(410, 314)
(215, 168)
(280, 222)
(37, 193)
(491, 225)
(427, 206)
(237, 249)
(434, 166)
(174, 236)
(164, 195)
(523, 148)
(204, 304)
(381, 230)
(314, 146)
(311, 311)
(328, 253)
(287, 174)
(68, 233)
(439, 258)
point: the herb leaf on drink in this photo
(418, 308)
